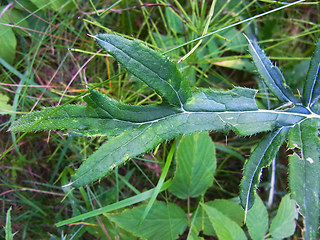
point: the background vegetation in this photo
(48, 57)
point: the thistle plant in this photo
(134, 130)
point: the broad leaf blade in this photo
(311, 89)
(270, 74)
(260, 158)
(304, 174)
(5, 108)
(228, 208)
(164, 221)
(8, 42)
(284, 223)
(196, 164)
(155, 70)
(257, 220)
(224, 227)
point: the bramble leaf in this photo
(304, 174)
(164, 221)
(257, 220)
(196, 164)
(224, 227)
(284, 223)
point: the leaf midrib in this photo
(305, 116)
(141, 63)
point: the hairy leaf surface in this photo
(138, 129)
(154, 69)
(261, 157)
(271, 74)
(206, 110)
(304, 174)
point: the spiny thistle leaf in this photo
(311, 89)
(260, 158)
(270, 74)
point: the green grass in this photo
(52, 65)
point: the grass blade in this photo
(118, 205)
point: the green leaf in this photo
(164, 221)
(284, 223)
(157, 189)
(304, 174)
(55, 5)
(224, 227)
(7, 228)
(155, 70)
(73, 117)
(8, 42)
(311, 89)
(271, 74)
(257, 220)
(205, 111)
(228, 208)
(260, 158)
(174, 22)
(5, 108)
(14, 17)
(141, 128)
(196, 164)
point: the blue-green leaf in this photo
(270, 74)
(311, 89)
(260, 158)
(140, 128)
(154, 69)
(304, 174)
